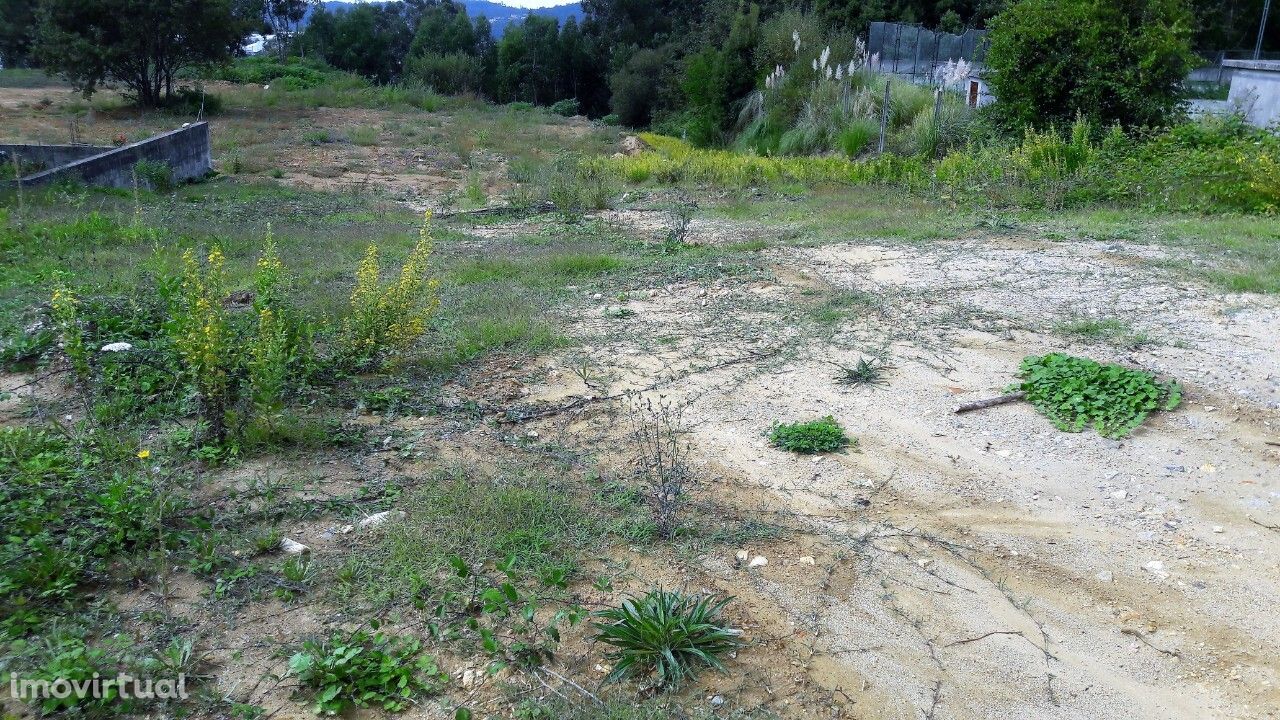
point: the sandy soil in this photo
(982, 565)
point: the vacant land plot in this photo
(978, 565)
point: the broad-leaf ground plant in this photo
(1075, 393)
(818, 436)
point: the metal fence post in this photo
(884, 115)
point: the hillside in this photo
(499, 15)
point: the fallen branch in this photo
(991, 402)
(987, 635)
(501, 210)
(1143, 638)
(1262, 524)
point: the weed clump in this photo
(363, 670)
(670, 633)
(1078, 392)
(818, 436)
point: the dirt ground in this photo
(987, 564)
(984, 565)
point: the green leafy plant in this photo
(670, 633)
(363, 670)
(818, 436)
(1077, 392)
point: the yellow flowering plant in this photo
(202, 336)
(66, 317)
(389, 318)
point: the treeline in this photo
(647, 61)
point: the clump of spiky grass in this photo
(865, 372)
(666, 632)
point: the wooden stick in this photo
(991, 402)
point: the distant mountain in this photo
(499, 15)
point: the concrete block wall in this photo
(185, 151)
(49, 156)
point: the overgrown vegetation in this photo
(359, 670)
(1075, 393)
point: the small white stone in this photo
(377, 519)
(117, 347)
(1218, 529)
(1119, 495)
(742, 556)
(807, 560)
(1105, 576)
(758, 561)
(1154, 566)
(293, 547)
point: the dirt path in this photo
(992, 565)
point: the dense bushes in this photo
(451, 74)
(293, 73)
(1213, 165)
(1051, 60)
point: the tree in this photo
(369, 40)
(528, 58)
(647, 86)
(140, 43)
(1113, 61)
(17, 29)
(284, 16)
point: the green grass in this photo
(667, 633)
(1111, 331)
(363, 136)
(1235, 253)
(481, 519)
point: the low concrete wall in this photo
(49, 156)
(1255, 89)
(185, 151)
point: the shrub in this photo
(385, 318)
(566, 108)
(858, 136)
(1077, 392)
(201, 333)
(645, 87)
(363, 670)
(818, 436)
(1112, 62)
(668, 632)
(451, 73)
(192, 102)
(300, 73)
